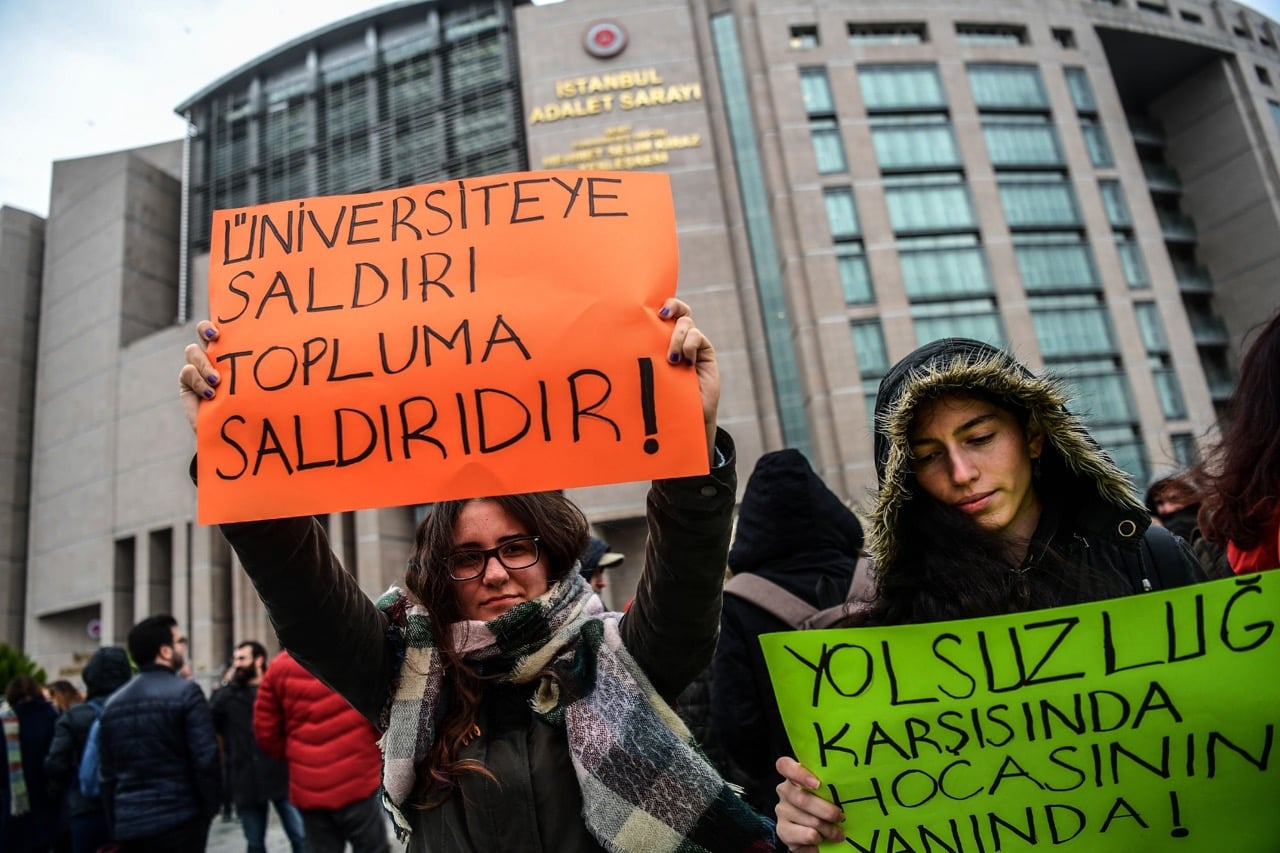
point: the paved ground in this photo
(226, 837)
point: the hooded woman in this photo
(992, 499)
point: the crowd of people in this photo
(493, 702)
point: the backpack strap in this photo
(770, 597)
(1159, 549)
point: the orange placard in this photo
(475, 337)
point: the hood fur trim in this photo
(998, 374)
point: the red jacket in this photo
(1262, 557)
(331, 750)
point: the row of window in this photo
(937, 237)
(807, 36)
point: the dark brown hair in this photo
(1242, 472)
(562, 529)
(22, 688)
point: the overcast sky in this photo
(89, 76)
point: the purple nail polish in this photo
(208, 392)
(664, 312)
(674, 358)
(208, 333)
(213, 380)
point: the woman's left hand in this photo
(689, 346)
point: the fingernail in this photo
(674, 358)
(664, 312)
(208, 392)
(688, 361)
(208, 333)
(213, 380)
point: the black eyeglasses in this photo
(514, 554)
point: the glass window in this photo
(901, 87)
(1184, 449)
(484, 123)
(1135, 271)
(1081, 91)
(1150, 327)
(1055, 266)
(929, 203)
(816, 90)
(804, 36)
(1070, 331)
(346, 107)
(901, 33)
(1275, 113)
(1004, 34)
(946, 273)
(904, 143)
(1007, 87)
(873, 361)
(411, 86)
(474, 64)
(965, 318)
(1021, 141)
(842, 215)
(1103, 397)
(1095, 140)
(828, 147)
(1041, 202)
(286, 128)
(1170, 393)
(1113, 201)
(869, 348)
(855, 280)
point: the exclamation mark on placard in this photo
(1179, 831)
(647, 408)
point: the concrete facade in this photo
(111, 535)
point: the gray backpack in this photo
(795, 611)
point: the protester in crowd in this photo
(518, 715)
(257, 780)
(63, 694)
(158, 753)
(1174, 499)
(595, 560)
(993, 499)
(795, 532)
(28, 813)
(332, 754)
(107, 670)
(1241, 507)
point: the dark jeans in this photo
(253, 820)
(189, 837)
(89, 832)
(362, 823)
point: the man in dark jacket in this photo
(107, 671)
(160, 777)
(795, 532)
(257, 779)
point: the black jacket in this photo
(256, 778)
(796, 532)
(159, 755)
(105, 673)
(1093, 520)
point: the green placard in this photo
(1145, 723)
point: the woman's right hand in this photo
(804, 818)
(198, 379)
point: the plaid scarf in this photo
(646, 785)
(19, 804)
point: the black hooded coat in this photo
(795, 532)
(107, 670)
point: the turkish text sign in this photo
(474, 337)
(1140, 723)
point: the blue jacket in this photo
(159, 757)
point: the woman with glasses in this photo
(516, 713)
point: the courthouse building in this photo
(1093, 185)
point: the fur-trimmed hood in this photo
(1074, 468)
